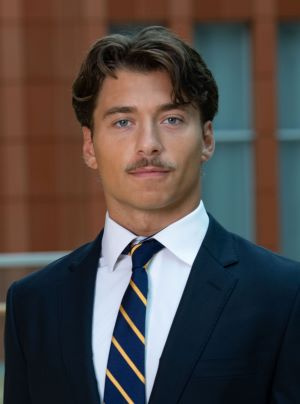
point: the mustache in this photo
(150, 162)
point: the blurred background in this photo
(51, 203)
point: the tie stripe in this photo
(129, 345)
(128, 377)
(119, 387)
(128, 360)
(132, 325)
(135, 247)
(125, 375)
(138, 292)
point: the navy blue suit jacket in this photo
(235, 338)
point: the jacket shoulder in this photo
(258, 255)
(56, 271)
(248, 259)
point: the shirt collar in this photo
(183, 237)
(115, 239)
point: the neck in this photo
(149, 222)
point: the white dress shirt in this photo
(167, 272)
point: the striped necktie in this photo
(125, 373)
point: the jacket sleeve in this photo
(16, 389)
(286, 382)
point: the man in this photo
(206, 317)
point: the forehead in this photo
(135, 87)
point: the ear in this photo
(88, 148)
(208, 142)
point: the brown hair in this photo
(153, 48)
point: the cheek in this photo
(114, 152)
(111, 168)
(190, 156)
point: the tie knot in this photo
(142, 252)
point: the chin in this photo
(152, 204)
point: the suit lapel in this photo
(76, 311)
(206, 293)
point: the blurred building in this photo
(50, 201)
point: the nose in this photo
(149, 140)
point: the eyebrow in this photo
(119, 109)
(173, 105)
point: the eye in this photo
(122, 123)
(173, 120)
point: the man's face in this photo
(148, 151)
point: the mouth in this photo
(149, 172)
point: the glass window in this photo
(228, 178)
(289, 136)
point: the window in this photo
(289, 137)
(228, 178)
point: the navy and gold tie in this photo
(125, 373)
